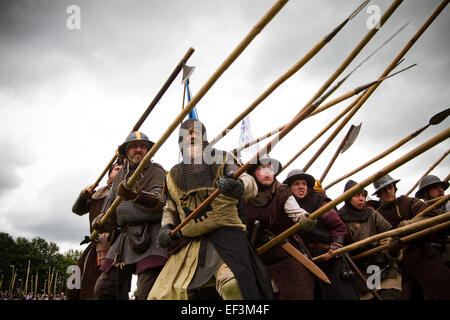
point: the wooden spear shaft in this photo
(300, 117)
(26, 279)
(411, 228)
(333, 159)
(406, 239)
(149, 109)
(296, 67)
(378, 157)
(386, 15)
(203, 90)
(433, 206)
(369, 92)
(288, 128)
(332, 123)
(428, 171)
(323, 97)
(352, 191)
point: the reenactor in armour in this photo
(135, 250)
(212, 250)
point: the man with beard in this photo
(212, 249)
(271, 212)
(134, 251)
(422, 265)
(328, 234)
(363, 222)
(92, 257)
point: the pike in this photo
(288, 128)
(323, 97)
(386, 15)
(336, 119)
(433, 206)
(269, 15)
(149, 109)
(411, 228)
(317, 103)
(393, 64)
(348, 140)
(26, 281)
(428, 171)
(434, 120)
(406, 239)
(296, 67)
(352, 191)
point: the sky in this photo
(75, 76)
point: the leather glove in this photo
(164, 238)
(128, 193)
(306, 223)
(395, 246)
(231, 187)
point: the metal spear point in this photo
(434, 120)
(149, 109)
(348, 140)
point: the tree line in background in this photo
(34, 266)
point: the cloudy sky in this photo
(74, 81)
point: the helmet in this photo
(134, 136)
(428, 181)
(383, 182)
(266, 160)
(297, 174)
(350, 184)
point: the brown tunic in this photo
(293, 280)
